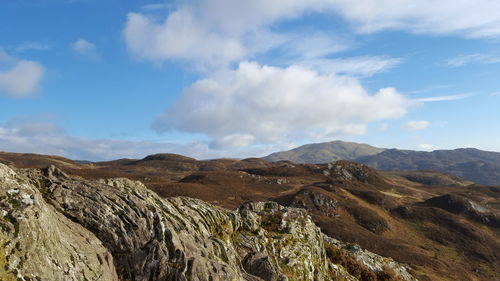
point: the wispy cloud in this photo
(473, 59)
(416, 125)
(156, 6)
(28, 46)
(445, 98)
(472, 19)
(357, 66)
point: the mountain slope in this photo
(324, 152)
(479, 166)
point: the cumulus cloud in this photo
(416, 125)
(85, 48)
(257, 104)
(21, 78)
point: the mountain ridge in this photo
(482, 167)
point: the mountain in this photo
(479, 166)
(440, 226)
(59, 227)
(324, 152)
(482, 167)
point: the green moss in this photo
(5, 273)
(272, 222)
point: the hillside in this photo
(326, 152)
(65, 228)
(479, 166)
(444, 228)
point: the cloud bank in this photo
(38, 134)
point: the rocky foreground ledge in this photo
(56, 227)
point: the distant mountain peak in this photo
(324, 152)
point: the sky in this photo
(108, 79)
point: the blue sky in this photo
(108, 79)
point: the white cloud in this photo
(218, 32)
(473, 59)
(22, 78)
(426, 147)
(263, 105)
(416, 125)
(85, 48)
(180, 37)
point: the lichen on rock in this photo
(39, 243)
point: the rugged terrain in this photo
(59, 227)
(443, 227)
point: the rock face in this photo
(56, 227)
(39, 243)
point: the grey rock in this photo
(39, 243)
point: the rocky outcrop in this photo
(39, 243)
(56, 227)
(461, 205)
